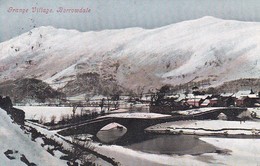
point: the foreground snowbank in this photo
(244, 151)
(15, 143)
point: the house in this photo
(197, 100)
(226, 100)
(213, 102)
(205, 103)
(240, 102)
(248, 101)
(194, 102)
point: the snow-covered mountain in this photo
(209, 49)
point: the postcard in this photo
(129, 82)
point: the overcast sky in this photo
(114, 14)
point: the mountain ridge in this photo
(208, 48)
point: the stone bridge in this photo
(135, 126)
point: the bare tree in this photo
(53, 119)
(75, 106)
(42, 120)
(80, 150)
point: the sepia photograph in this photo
(129, 82)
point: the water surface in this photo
(173, 144)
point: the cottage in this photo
(240, 101)
(248, 101)
(205, 103)
(194, 102)
(213, 102)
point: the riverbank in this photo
(221, 128)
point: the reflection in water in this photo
(111, 132)
(173, 144)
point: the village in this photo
(166, 102)
(196, 99)
(163, 101)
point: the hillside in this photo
(206, 49)
(29, 88)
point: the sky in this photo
(117, 14)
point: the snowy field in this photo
(46, 113)
(201, 127)
(197, 110)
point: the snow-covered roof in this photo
(172, 96)
(226, 94)
(194, 100)
(198, 96)
(242, 93)
(253, 96)
(205, 102)
(181, 97)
